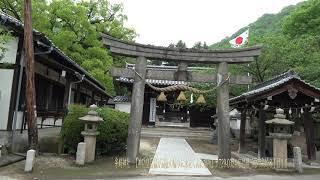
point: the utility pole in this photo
(30, 85)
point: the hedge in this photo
(113, 130)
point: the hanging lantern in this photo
(201, 100)
(162, 97)
(181, 97)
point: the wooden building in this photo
(300, 101)
(169, 113)
(59, 81)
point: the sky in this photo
(161, 22)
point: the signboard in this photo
(152, 115)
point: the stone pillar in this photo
(134, 132)
(215, 132)
(81, 154)
(242, 138)
(30, 160)
(223, 111)
(262, 133)
(297, 159)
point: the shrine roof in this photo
(119, 99)
(18, 27)
(272, 85)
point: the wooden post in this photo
(136, 110)
(30, 85)
(49, 95)
(242, 143)
(262, 133)
(77, 94)
(310, 138)
(66, 96)
(223, 112)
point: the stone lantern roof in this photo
(279, 118)
(92, 116)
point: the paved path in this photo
(174, 156)
(254, 177)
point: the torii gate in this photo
(182, 56)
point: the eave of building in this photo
(275, 83)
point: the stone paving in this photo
(174, 156)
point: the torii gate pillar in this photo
(134, 131)
(223, 111)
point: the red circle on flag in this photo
(239, 40)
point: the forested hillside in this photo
(290, 39)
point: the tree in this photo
(75, 27)
(181, 45)
(199, 45)
(4, 38)
(304, 20)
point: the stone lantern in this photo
(280, 136)
(90, 132)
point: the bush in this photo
(113, 130)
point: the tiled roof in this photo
(18, 27)
(272, 84)
(119, 99)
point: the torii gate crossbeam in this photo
(183, 56)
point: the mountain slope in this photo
(268, 23)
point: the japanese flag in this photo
(240, 40)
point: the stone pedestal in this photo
(90, 141)
(280, 155)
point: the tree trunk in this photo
(30, 85)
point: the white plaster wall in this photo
(6, 78)
(124, 107)
(11, 51)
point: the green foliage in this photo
(113, 130)
(75, 27)
(72, 127)
(305, 20)
(4, 38)
(199, 45)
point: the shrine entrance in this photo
(183, 56)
